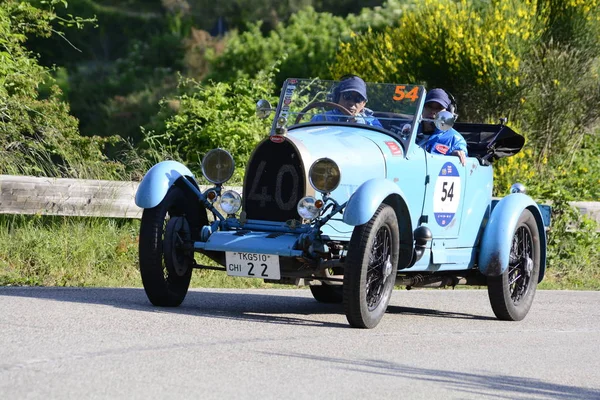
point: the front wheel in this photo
(371, 267)
(511, 294)
(166, 248)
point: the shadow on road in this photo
(436, 313)
(500, 386)
(280, 308)
(250, 306)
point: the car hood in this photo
(277, 173)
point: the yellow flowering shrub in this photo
(519, 168)
(469, 48)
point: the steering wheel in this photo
(316, 104)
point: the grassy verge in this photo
(57, 251)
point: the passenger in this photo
(448, 142)
(351, 93)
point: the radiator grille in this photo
(274, 182)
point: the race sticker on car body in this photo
(446, 194)
(395, 148)
(252, 265)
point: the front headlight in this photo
(218, 166)
(324, 175)
(309, 207)
(230, 202)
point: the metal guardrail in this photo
(68, 197)
(96, 198)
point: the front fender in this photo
(364, 202)
(157, 182)
(498, 235)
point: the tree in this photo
(38, 136)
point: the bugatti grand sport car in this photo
(350, 209)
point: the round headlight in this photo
(307, 208)
(324, 175)
(230, 202)
(217, 166)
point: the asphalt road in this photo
(82, 343)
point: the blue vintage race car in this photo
(349, 208)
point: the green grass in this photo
(61, 251)
(102, 252)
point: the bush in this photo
(472, 49)
(304, 47)
(573, 258)
(558, 103)
(212, 115)
(37, 134)
(578, 177)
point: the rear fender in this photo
(158, 180)
(498, 235)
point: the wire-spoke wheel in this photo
(511, 294)
(166, 247)
(370, 268)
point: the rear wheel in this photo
(328, 293)
(511, 294)
(166, 247)
(371, 267)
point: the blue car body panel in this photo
(498, 235)
(362, 155)
(157, 181)
(367, 198)
(252, 242)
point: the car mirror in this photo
(263, 109)
(444, 120)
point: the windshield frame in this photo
(389, 119)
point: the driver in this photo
(448, 142)
(351, 93)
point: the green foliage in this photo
(57, 251)
(573, 23)
(305, 45)
(211, 115)
(67, 251)
(37, 134)
(120, 68)
(475, 53)
(576, 176)
(271, 13)
(561, 91)
(106, 40)
(119, 97)
(380, 17)
(573, 253)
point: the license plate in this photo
(253, 265)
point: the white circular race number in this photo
(446, 196)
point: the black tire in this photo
(511, 294)
(370, 268)
(328, 293)
(165, 285)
